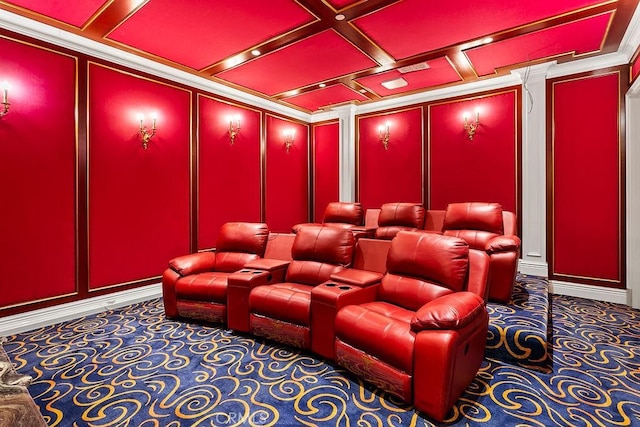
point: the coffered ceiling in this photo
(314, 54)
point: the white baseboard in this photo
(599, 293)
(533, 268)
(35, 319)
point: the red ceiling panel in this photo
(579, 37)
(440, 72)
(323, 97)
(197, 33)
(308, 61)
(72, 12)
(411, 27)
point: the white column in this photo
(534, 224)
(633, 194)
(347, 155)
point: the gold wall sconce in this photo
(234, 127)
(289, 137)
(471, 127)
(145, 133)
(383, 133)
(5, 99)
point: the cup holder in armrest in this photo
(256, 272)
(331, 285)
(344, 288)
(244, 270)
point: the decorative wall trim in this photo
(60, 313)
(599, 293)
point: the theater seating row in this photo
(484, 226)
(415, 327)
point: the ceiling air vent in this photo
(415, 67)
(395, 83)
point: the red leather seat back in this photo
(239, 243)
(318, 252)
(343, 212)
(475, 222)
(423, 266)
(399, 216)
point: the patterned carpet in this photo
(518, 331)
(132, 367)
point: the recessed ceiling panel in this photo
(323, 97)
(580, 37)
(440, 72)
(198, 33)
(411, 27)
(312, 60)
(71, 12)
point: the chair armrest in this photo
(355, 277)
(267, 264)
(509, 243)
(239, 286)
(193, 263)
(452, 311)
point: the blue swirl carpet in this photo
(132, 367)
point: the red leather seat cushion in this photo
(474, 222)
(243, 237)
(211, 286)
(401, 214)
(229, 262)
(289, 302)
(379, 329)
(430, 257)
(351, 213)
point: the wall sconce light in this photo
(5, 98)
(289, 136)
(147, 134)
(471, 127)
(234, 127)
(383, 132)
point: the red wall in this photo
(138, 199)
(287, 175)
(326, 167)
(585, 161)
(37, 174)
(483, 169)
(229, 176)
(394, 174)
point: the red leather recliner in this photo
(195, 285)
(422, 335)
(395, 217)
(341, 215)
(282, 311)
(487, 227)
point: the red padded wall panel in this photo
(586, 169)
(229, 176)
(138, 199)
(394, 174)
(37, 174)
(483, 169)
(326, 167)
(287, 176)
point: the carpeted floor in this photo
(132, 367)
